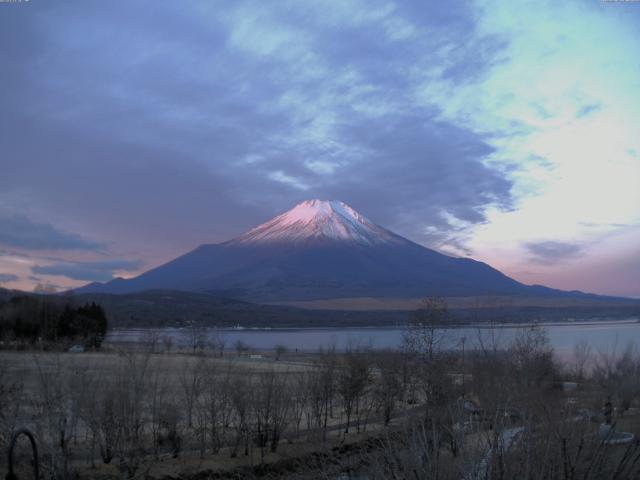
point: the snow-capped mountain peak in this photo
(320, 250)
(319, 220)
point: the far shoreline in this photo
(483, 325)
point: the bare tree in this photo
(241, 399)
(191, 381)
(87, 392)
(618, 375)
(129, 402)
(388, 388)
(298, 402)
(104, 420)
(167, 342)
(197, 337)
(10, 402)
(152, 340)
(581, 357)
(532, 359)
(217, 343)
(322, 383)
(424, 335)
(218, 406)
(269, 409)
(354, 376)
(280, 351)
(53, 416)
(160, 408)
(412, 452)
(168, 428)
(242, 348)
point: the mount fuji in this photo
(322, 250)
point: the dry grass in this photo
(375, 303)
(31, 369)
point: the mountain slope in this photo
(319, 250)
(317, 222)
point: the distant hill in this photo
(167, 308)
(6, 294)
(324, 250)
(177, 308)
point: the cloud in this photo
(21, 232)
(100, 271)
(415, 113)
(588, 109)
(282, 177)
(429, 166)
(551, 252)
(603, 225)
(8, 277)
(309, 92)
(46, 288)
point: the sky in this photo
(132, 132)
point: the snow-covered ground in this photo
(318, 220)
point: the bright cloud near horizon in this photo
(132, 132)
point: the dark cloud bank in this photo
(20, 231)
(157, 124)
(8, 277)
(100, 271)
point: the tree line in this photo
(31, 319)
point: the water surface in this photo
(602, 336)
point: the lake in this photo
(601, 335)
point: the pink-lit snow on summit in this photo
(319, 220)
